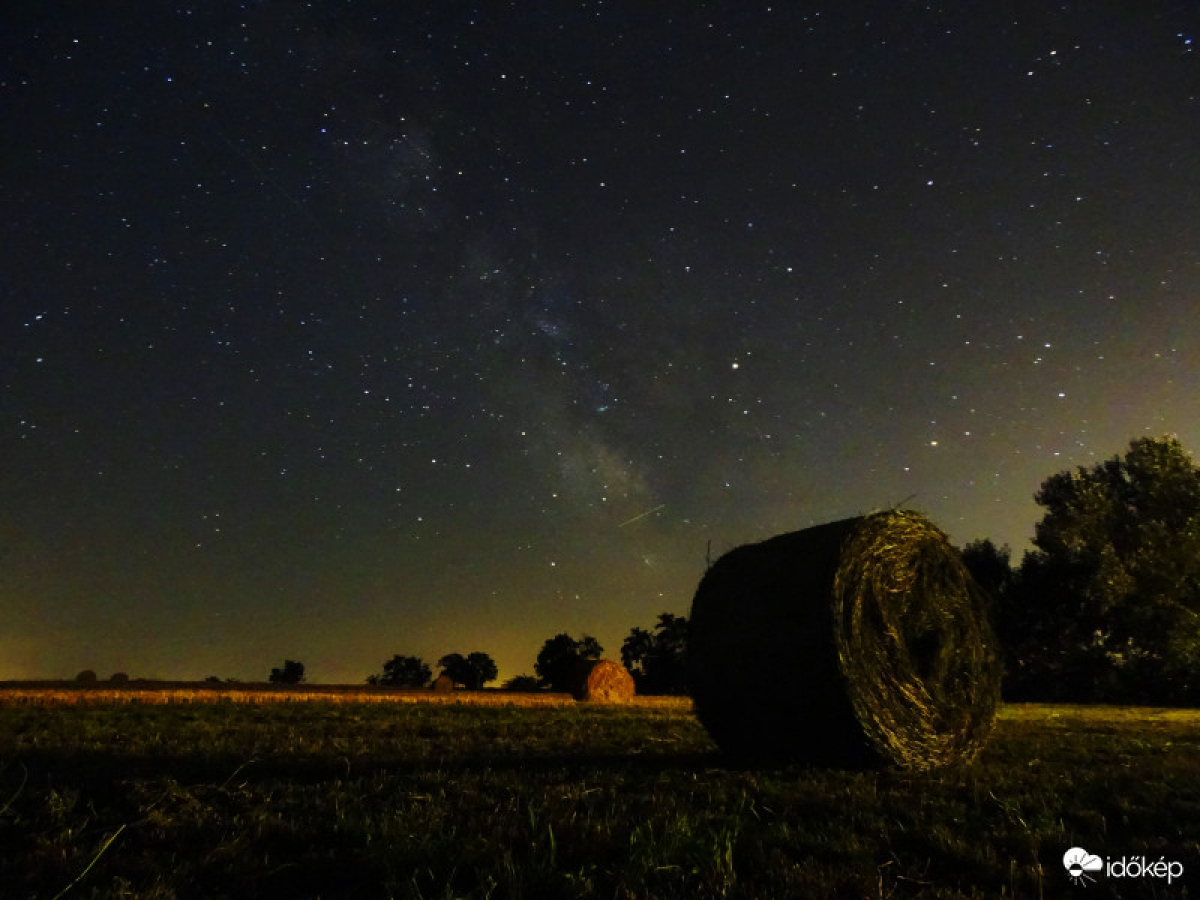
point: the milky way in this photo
(337, 332)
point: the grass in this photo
(335, 798)
(58, 692)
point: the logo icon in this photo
(1078, 862)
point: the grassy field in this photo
(334, 797)
(158, 692)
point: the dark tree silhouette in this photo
(1019, 630)
(522, 684)
(634, 650)
(658, 660)
(1109, 601)
(453, 666)
(291, 673)
(402, 671)
(559, 659)
(484, 667)
(87, 676)
(990, 566)
(472, 671)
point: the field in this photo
(334, 795)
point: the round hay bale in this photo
(443, 684)
(604, 681)
(858, 643)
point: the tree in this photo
(559, 659)
(990, 566)
(485, 668)
(291, 673)
(403, 671)
(454, 665)
(1115, 576)
(635, 649)
(472, 671)
(658, 661)
(1024, 631)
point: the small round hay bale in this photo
(858, 643)
(443, 684)
(604, 681)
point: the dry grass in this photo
(155, 693)
(914, 643)
(852, 644)
(175, 692)
(359, 800)
(606, 682)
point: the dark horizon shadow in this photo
(112, 768)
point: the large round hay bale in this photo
(443, 684)
(603, 681)
(856, 643)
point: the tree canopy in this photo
(657, 660)
(472, 671)
(291, 673)
(402, 671)
(1107, 606)
(559, 659)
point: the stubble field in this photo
(212, 795)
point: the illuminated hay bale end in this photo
(856, 643)
(443, 684)
(604, 681)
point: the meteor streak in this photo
(641, 515)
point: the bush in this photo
(524, 684)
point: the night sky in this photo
(333, 331)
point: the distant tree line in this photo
(655, 659)
(1104, 608)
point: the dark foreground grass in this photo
(347, 800)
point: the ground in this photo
(353, 798)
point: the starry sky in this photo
(331, 331)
